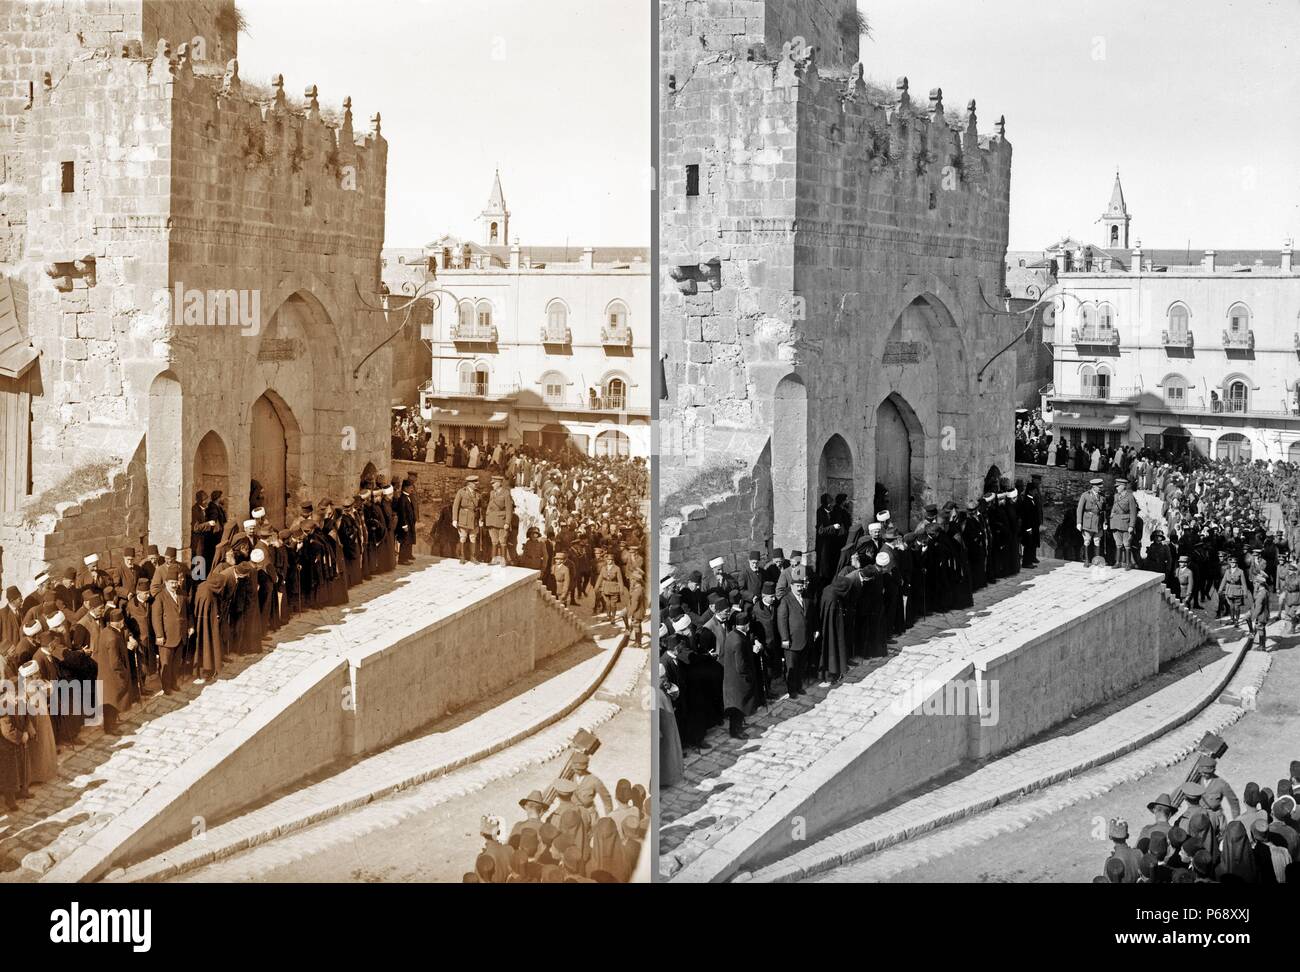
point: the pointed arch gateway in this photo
(274, 454)
(900, 458)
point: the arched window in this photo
(616, 315)
(557, 322)
(1175, 391)
(1233, 446)
(466, 312)
(1085, 317)
(1095, 381)
(1179, 322)
(1238, 396)
(553, 387)
(612, 442)
(1238, 319)
(1105, 317)
(484, 308)
(614, 393)
(1114, 235)
(492, 233)
(473, 378)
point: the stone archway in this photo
(900, 459)
(212, 466)
(272, 429)
(163, 464)
(836, 469)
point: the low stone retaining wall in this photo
(970, 708)
(392, 666)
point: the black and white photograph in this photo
(325, 387)
(979, 458)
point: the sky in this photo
(1196, 102)
(556, 93)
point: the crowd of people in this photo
(574, 833)
(1204, 833)
(1037, 444)
(410, 439)
(96, 638)
(586, 535)
(1208, 530)
(728, 639)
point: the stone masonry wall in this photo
(827, 230)
(181, 179)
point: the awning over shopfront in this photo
(1074, 420)
(468, 416)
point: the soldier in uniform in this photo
(1123, 519)
(1087, 517)
(500, 507)
(1232, 589)
(465, 517)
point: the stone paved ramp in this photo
(105, 776)
(725, 786)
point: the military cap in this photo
(1193, 790)
(1121, 479)
(471, 479)
(1096, 481)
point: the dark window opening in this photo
(692, 180)
(934, 202)
(67, 174)
(306, 196)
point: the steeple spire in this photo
(1116, 218)
(495, 216)
(1117, 207)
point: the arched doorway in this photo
(836, 468)
(163, 451)
(269, 458)
(368, 473)
(211, 466)
(1233, 447)
(893, 458)
(992, 480)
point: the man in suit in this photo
(11, 619)
(1031, 520)
(713, 632)
(750, 581)
(141, 653)
(740, 690)
(171, 625)
(407, 519)
(796, 624)
(116, 684)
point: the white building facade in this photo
(1180, 357)
(546, 346)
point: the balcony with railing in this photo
(1148, 400)
(616, 335)
(473, 332)
(556, 334)
(1176, 339)
(1240, 340)
(1100, 335)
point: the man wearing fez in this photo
(750, 581)
(796, 623)
(11, 619)
(142, 652)
(465, 517)
(117, 687)
(1123, 520)
(171, 625)
(832, 532)
(1087, 518)
(740, 689)
(205, 532)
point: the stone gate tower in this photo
(184, 251)
(832, 282)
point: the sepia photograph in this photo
(325, 378)
(979, 468)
